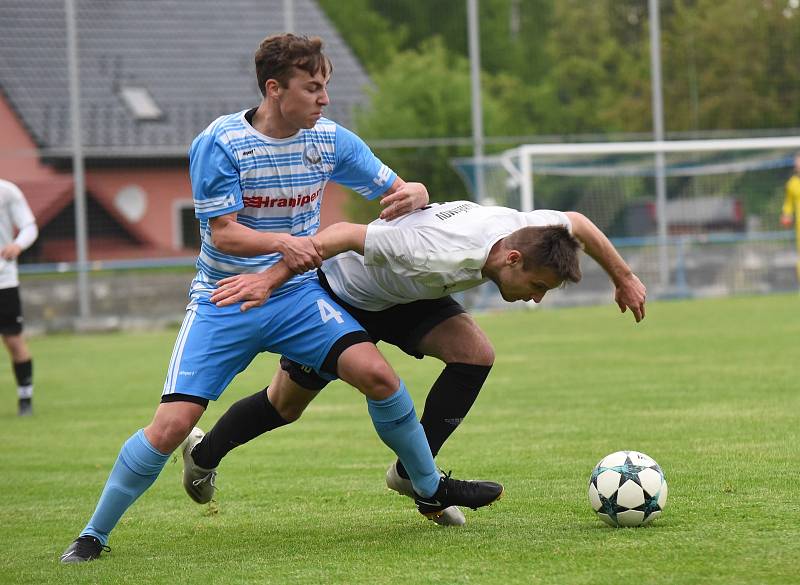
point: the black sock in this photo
(243, 421)
(448, 402)
(23, 371)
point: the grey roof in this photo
(194, 56)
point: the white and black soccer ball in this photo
(627, 488)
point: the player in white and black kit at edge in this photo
(17, 232)
(395, 278)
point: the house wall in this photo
(162, 191)
(155, 220)
(146, 200)
(143, 200)
(19, 156)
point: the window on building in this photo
(189, 229)
(141, 103)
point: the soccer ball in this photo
(627, 488)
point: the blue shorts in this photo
(216, 343)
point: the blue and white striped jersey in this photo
(275, 185)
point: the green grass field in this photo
(707, 388)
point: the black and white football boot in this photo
(456, 492)
(82, 550)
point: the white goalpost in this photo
(717, 211)
(527, 152)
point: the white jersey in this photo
(427, 254)
(15, 216)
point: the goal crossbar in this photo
(525, 153)
(665, 146)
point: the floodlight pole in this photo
(78, 172)
(288, 16)
(658, 136)
(475, 91)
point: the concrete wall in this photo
(130, 300)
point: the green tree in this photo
(374, 39)
(512, 32)
(599, 80)
(567, 67)
(732, 65)
(425, 94)
(422, 94)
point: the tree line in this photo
(568, 67)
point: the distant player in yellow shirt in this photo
(791, 206)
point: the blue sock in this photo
(137, 467)
(396, 422)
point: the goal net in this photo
(693, 218)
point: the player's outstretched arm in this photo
(253, 290)
(630, 293)
(231, 237)
(340, 237)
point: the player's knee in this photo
(478, 353)
(376, 380)
(484, 354)
(167, 432)
(290, 413)
(17, 348)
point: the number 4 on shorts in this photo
(327, 312)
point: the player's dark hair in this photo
(550, 247)
(277, 57)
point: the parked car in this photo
(687, 215)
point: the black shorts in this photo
(403, 326)
(10, 311)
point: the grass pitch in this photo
(707, 388)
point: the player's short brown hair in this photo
(277, 57)
(550, 247)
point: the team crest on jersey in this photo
(311, 156)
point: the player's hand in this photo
(631, 294)
(300, 254)
(10, 251)
(786, 220)
(405, 199)
(252, 290)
